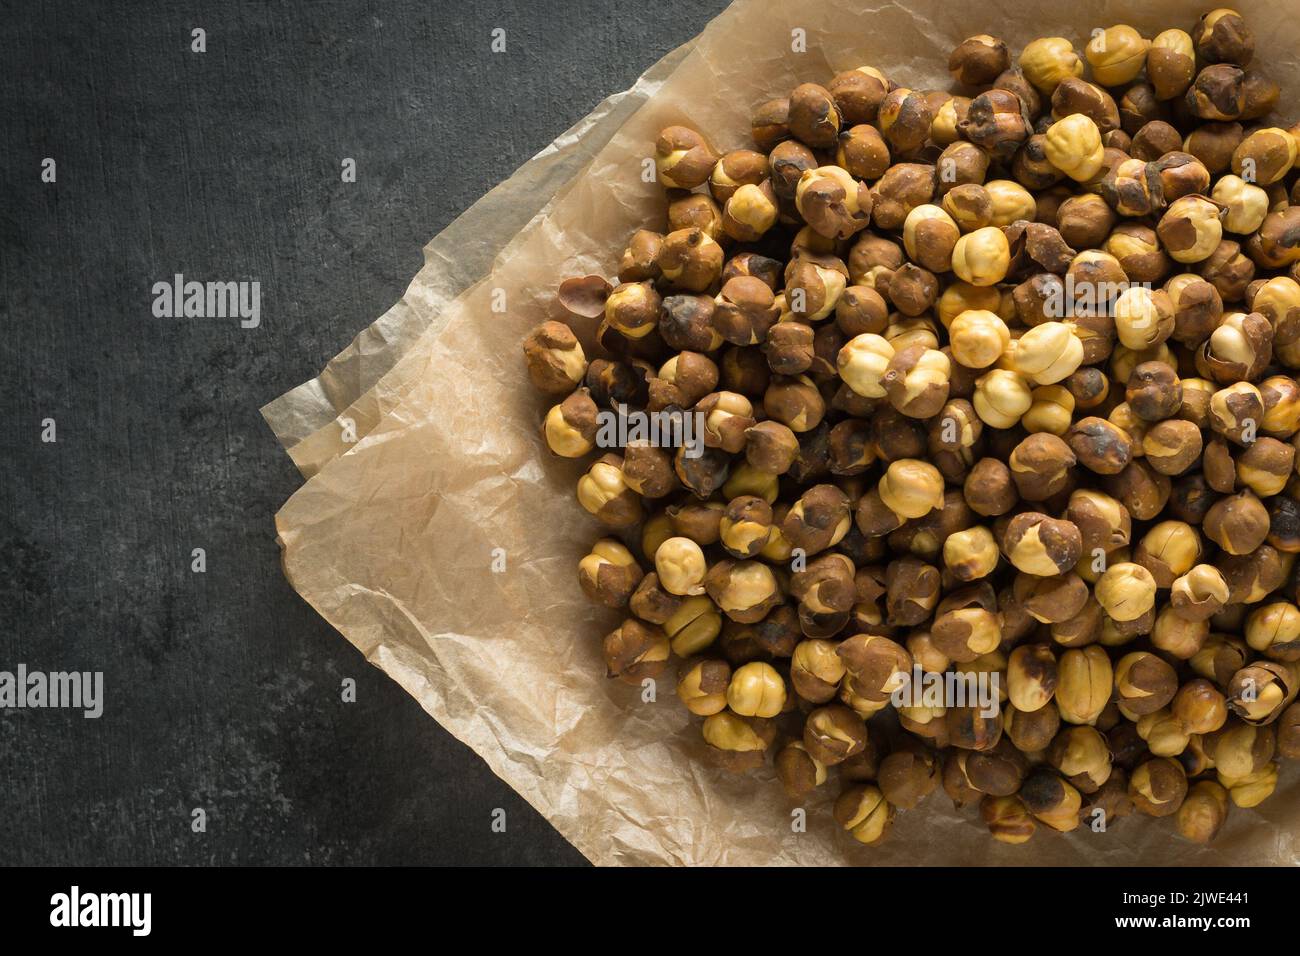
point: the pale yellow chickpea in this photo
(681, 567)
(756, 690)
(1001, 398)
(1011, 202)
(982, 257)
(863, 361)
(1246, 204)
(1116, 55)
(961, 297)
(978, 338)
(1048, 353)
(1052, 410)
(1143, 317)
(911, 488)
(1049, 60)
(1073, 145)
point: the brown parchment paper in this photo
(394, 537)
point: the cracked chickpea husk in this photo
(1001, 379)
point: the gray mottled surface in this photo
(223, 688)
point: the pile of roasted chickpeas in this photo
(997, 383)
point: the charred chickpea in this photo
(1222, 36)
(743, 590)
(833, 734)
(1202, 814)
(916, 381)
(1158, 787)
(978, 60)
(1236, 412)
(1172, 447)
(1082, 755)
(1040, 545)
(813, 116)
(799, 772)
(864, 812)
(862, 152)
(997, 122)
(609, 573)
(690, 260)
(750, 211)
(1144, 683)
(795, 402)
(703, 687)
(683, 158)
(1051, 800)
(1238, 350)
(570, 427)
(1031, 677)
(1171, 64)
(604, 493)
(635, 650)
(832, 202)
(1237, 523)
(1041, 466)
(1200, 707)
(858, 93)
(739, 743)
(1191, 229)
(989, 488)
(1274, 631)
(949, 114)
(1100, 446)
(969, 205)
(1266, 466)
(904, 117)
(929, 236)
(1218, 93)
(1200, 593)
(771, 447)
(556, 363)
(746, 526)
(816, 671)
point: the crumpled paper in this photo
(426, 468)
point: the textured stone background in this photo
(223, 689)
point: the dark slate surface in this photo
(223, 688)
